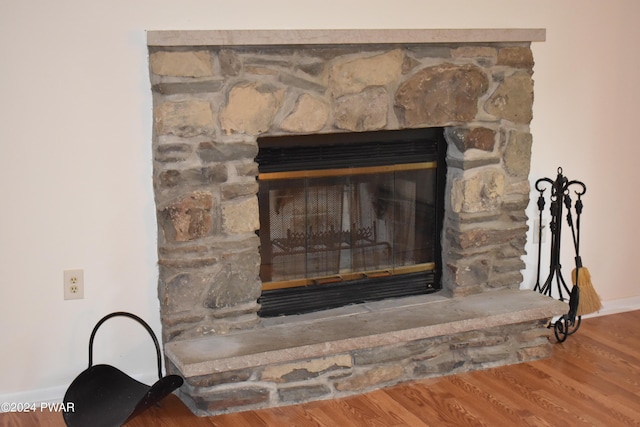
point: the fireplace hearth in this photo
(218, 94)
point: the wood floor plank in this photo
(503, 396)
(360, 411)
(548, 409)
(405, 418)
(593, 378)
(295, 415)
(327, 417)
(441, 398)
(19, 419)
(609, 406)
(180, 415)
(586, 399)
(498, 410)
(591, 375)
(476, 401)
(414, 399)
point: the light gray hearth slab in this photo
(284, 341)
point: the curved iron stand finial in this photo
(560, 196)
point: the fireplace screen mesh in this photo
(327, 227)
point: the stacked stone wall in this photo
(211, 104)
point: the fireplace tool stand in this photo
(560, 196)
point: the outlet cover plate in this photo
(73, 284)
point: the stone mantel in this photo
(342, 36)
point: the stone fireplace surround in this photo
(215, 92)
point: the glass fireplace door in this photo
(340, 224)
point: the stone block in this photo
(513, 99)
(230, 63)
(301, 82)
(478, 193)
(230, 377)
(246, 169)
(465, 139)
(433, 51)
(516, 57)
(236, 283)
(363, 111)
(517, 155)
(303, 393)
(234, 190)
(444, 364)
(391, 353)
(171, 153)
(193, 177)
(310, 114)
(187, 88)
(511, 280)
(185, 118)
(231, 400)
(439, 95)
(479, 237)
(181, 64)
(474, 163)
(373, 377)
(534, 332)
(508, 265)
(438, 345)
(303, 370)
(204, 323)
(484, 55)
(470, 271)
(251, 108)
(240, 216)
(210, 152)
(519, 188)
(357, 74)
(489, 355)
(183, 292)
(188, 217)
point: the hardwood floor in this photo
(592, 379)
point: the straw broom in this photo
(589, 301)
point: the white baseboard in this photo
(43, 395)
(617, 306)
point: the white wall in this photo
(75, 152)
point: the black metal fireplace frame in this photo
(311, 152)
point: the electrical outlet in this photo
(536, 229)
(73, 284)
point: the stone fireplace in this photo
(216, 92)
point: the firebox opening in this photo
(349, 218)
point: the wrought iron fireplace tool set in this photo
(582, 296)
